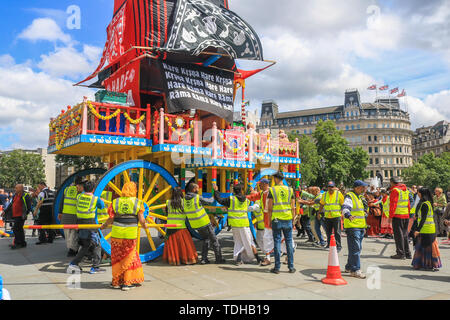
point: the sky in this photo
(322, 48)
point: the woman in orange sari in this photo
(179, 247)
(124, 214)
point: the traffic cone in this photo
(334, 270)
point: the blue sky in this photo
(320, 52)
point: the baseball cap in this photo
(359, 183)
(266, 181)
(331, 184)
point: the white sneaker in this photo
(358, 274)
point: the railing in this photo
(175, 129)
(67, 125)
(116, 120)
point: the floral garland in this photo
(72, 119)
(99, 116)
(137, 121)
(179, 125)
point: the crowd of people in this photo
(400, 213)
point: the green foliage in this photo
(80, 162)
(19, 167)
(341, 163)
(430, 171)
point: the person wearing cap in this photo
(399, 208)
(355, 225)
(331, 205)
(281, 208)
(68, 215)
(264, 236)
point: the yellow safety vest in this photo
(259, 216)
(86, 208)
(402, 203)
(106, 195)
(175, 217)
(238, 213)
(70, 200)
(386, 206)
(332, 208)
(125, 225)
(428, 227)
(316, 206)
(195, 213)
(282, 196)
(357, 212)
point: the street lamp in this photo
(322, 169)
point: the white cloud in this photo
(45, 29)
(70, 62)
(28, 99)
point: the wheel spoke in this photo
(157, 216)
(159, 228)
(126, 177)
(160, 206)
(150, 240)
(108, 236)
(150, 188)
(141, 183)
(159, 195)
(115, 188)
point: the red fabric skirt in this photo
(180, 249)
(374, 224)
(386, 226)
(126, 264)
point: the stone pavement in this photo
(38, 272)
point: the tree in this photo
(309, 167)
(342, 163)
(19, 167)
(430, 171)
(80, 162)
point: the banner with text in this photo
(189, 86)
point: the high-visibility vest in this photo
(428, 227)
(259, 216)
(238, 213)
(386, 206)
(402, 203)
(106, 195)
(316, 206)
(175, 217)
(282, 196)
(332, 207)
(357, 212)
(86, 208)
(125, 225)
(195, 213)
(70, 200)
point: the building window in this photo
(387, 125)
(305, 131)
(376, 149)
(370, 149)
(369, 125)
(370, 161)
(375, 125)
(310, 131)
(377, 161)
(386, 173)
(391, 172)
(358, 126)
(369, 138)
(353, 127)
(346, 127)
(384, 149)
(374, 138)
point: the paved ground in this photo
(38, 272)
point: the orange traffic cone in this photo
(334, 270)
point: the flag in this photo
(394, 90)
(384, 87)
(372, 87)
(402, 94)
